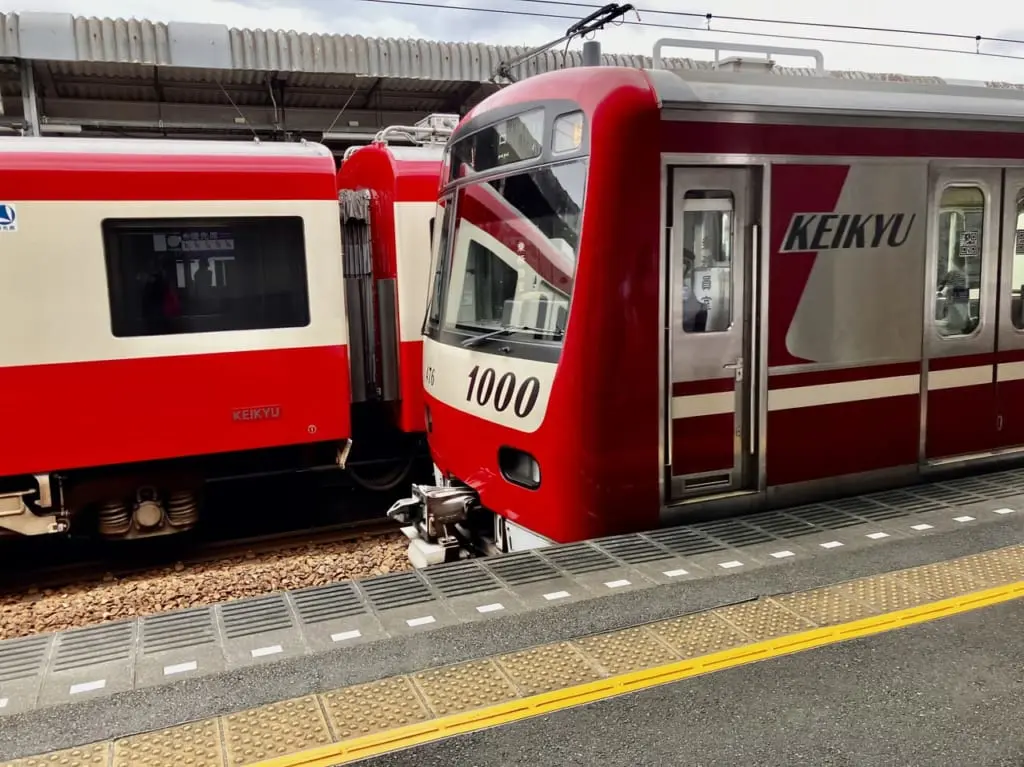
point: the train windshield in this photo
(507, 257)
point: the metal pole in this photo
(591, 53)
(29, 102)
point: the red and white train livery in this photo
(175, 311)
(784, 287)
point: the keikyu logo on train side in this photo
(836, 231)
(8, 218)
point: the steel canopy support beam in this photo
(29, 98)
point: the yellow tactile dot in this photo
(191, 745)
(622, 651)
(547, 668)
(96, 755)
(885, 593)
(698, 634)
(464, 687)
(368, 708)
(763, 619)
(826, 607)
(994, 568)
(274, 730)
(942, 580)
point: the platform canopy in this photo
(61, 73)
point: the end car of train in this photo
(659, 294)
(176, 312)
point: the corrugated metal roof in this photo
(110, 47)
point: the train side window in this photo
(961, 223)
(174, 276)
(1017, 284)
(707, 261)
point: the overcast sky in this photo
(989, 18)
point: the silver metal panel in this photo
(387, 324)
(830, 95)
(204, 46)
(47, 36)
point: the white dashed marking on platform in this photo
(877, 536)
(617, 584)
(964, 518)
(556, 595)
(491, 608)
(343, 636)
(260, 652)
(180, 668)
(425, 620)
(1003, 511)
(730, 564)
(922, 526)
(3, 702)
(675, 573)
(783, 554)
(99, 684)
(831, 544)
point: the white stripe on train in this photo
(695, 405)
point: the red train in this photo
(715, 291)
(174, 312)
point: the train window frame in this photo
(524, 344)
(268, 237)
(937, 278)
(1017, 253)
(703, 201)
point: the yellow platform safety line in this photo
(570, 697)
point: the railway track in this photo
(140, 560)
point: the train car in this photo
(175, 312)
(787, 285)
(388, 194)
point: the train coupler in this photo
(429, 520)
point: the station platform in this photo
(794, 622)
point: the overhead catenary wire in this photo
(977, 39)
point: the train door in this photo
(1010, 339)
(710, 364)
(961, 415)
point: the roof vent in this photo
(745, 64)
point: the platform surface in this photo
(615, 616)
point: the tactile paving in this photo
(178, 630)
(255, 616)
(22, 658)
(274, 730)
(191, 745)
(327, 603)
(763, 619)
(940, 580)
(374, 707)
(453, 689)
(619, 652)
(884, 593)
(551, 667)
(994, 568)
(632, 549)
(826, 607)
(698, 634)
(96, 755)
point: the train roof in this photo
(161, 147)
(810, 92)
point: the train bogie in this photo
(781, 287)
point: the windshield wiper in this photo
(504, 330)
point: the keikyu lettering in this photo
(846, 231)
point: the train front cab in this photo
(510, 416)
